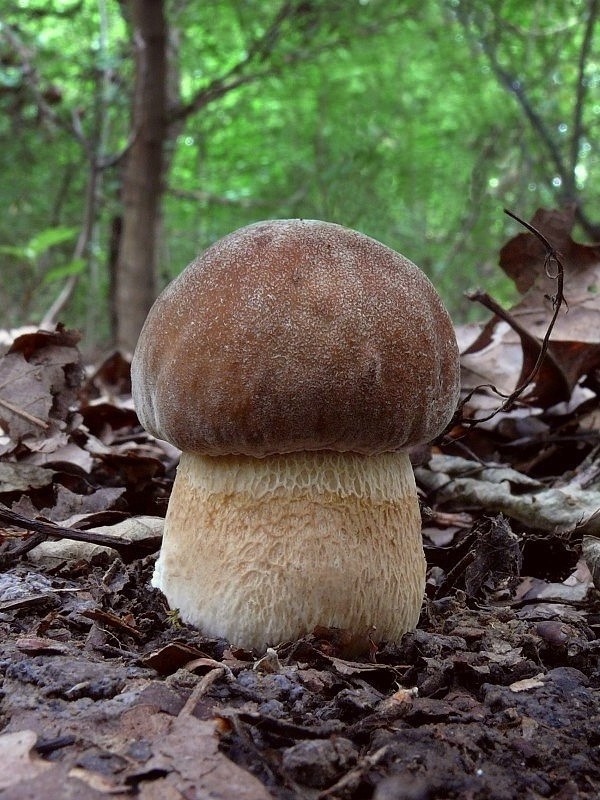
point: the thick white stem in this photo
(260, 551)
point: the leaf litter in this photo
(495, 695)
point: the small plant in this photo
(40, 245)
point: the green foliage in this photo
(39, 262)
(389, 117)
(74, 267)
(39, 244)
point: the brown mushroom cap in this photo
(294, 335)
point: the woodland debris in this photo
(106, 693)
(18, 759)
(497, 488)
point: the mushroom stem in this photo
(260, 551)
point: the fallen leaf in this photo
(18, 760)
(39, 378)
(67, 503)
(188, 754)
(521, 257)
(506, 490)
(96, 781)
(506, 350)
(70, 454)
(171, 657)
(527, 684)
(19, 477)
(38, 645)
(142, 530)
(111, 378)
(573, 589)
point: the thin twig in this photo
(19, 412)
(24, 545)
(202, 687)
(558, 300)
(128, 550)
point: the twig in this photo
(558, 299)
(128, 550)
(237, 75)
(24, 414)
(582, 84)
(202, 687)
(24, 545)
(351, 779)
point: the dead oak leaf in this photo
(574, 348)
(521, 257)
(19, 477)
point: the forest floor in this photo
(104, 696)
(495, 696)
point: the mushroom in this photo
(294, 363)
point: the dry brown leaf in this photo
(522, 255)
(25, 397)
(68, 503)
(504, 354)
(70, 454)
(142, 530)
(171, 657)
(188, 752)
(111, 378)
(40, 644)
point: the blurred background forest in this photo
(135, 133)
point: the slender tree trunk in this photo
(142, 190)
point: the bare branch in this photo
(33, 81)
(511, 82)
(248, 69)
(584, 53)
(237, 75)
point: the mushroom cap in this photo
(292, 335)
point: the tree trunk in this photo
(142, 189)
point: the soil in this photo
(105, 693)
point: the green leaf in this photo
(17, 251)
(39, 244)
(50, 237)
(74, 267)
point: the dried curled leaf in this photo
(39, 378)
(505, 351)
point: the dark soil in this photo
(479, 702)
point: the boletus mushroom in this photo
(294, 363)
